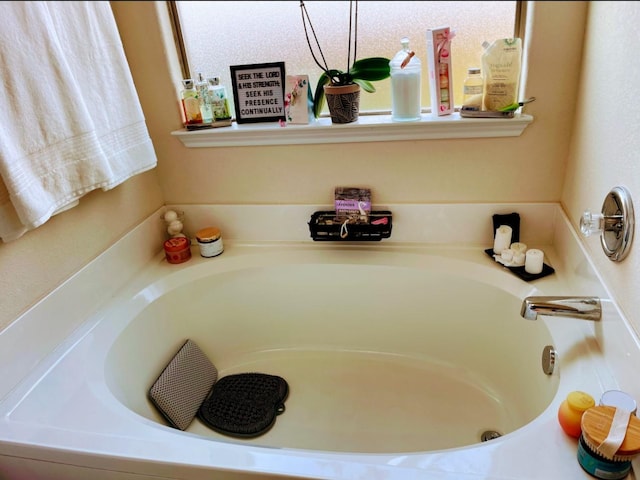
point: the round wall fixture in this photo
(615, 224)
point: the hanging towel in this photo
(70, 121)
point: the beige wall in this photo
(529, 168)
(604, 151)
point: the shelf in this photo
(368, 128)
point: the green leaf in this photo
(318, 97)
(366, 85)
(510, 108)
(371, 69)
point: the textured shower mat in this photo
(240, 405)
(244, 404)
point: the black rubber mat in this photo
(244, 404)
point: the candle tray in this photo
(521, 272)
(327, 226)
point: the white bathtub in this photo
(397, 357)
(383, 353)
(399, 354)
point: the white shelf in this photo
(368, 128)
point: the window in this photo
(218, 34)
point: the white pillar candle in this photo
(533, 261)
(502, 239)
(519, 247)
(506, 254)
(518, 259)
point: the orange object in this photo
(177, 250)
(571, 411)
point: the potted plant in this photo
(341, 88)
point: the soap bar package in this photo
(353, 203)
(440, 70)
(298, 102)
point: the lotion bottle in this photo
(190, 102)
(219, 99)
(202, 87)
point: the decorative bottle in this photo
(406, 73)
(190, 103)
(202, 87)
(472, 88)
(219, 99)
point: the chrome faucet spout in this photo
(587, 308)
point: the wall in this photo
(529, 168)
(605, 143)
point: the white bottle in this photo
(472, 88)
(406, 76)
(202, 88)
(219, 99)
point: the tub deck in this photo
(63, 411)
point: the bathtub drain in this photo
(490, 435)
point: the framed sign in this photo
(258, 92)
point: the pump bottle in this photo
(219, 99)
(202, 87)
(190, 103)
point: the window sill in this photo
(368, 128)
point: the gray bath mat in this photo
(183, 385)
(244, 404)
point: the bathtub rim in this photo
(613, 340)
(282, 456)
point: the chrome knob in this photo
(615, 224)
(591, 223)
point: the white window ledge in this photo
(368, 128)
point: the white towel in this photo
(70, 120)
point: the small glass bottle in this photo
(406, 72)
(472, 88)
(219, 99)
(202, 87)
(571, 411)
(190, 102)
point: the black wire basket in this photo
(328, 226)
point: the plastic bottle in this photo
(406, 73)
(219, 99)
(472, 88)
(190, 102)
(202, 87)
(571, 410)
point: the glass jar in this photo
(472, 88)
(406, 74)
(210, 242)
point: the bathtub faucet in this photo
(587, 308)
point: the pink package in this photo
(440, 70)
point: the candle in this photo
(502, 239)
(518, 259)
(533, 261)
(506, 254)
(519, 247)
